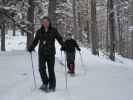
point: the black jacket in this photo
(70, 45)
(46, 40)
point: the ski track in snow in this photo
(97, 79)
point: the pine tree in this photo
(30, 18)
(111, 30)
(52, 12)
(94, 33)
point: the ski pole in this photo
(66, 72)
(82, 62)
(61, 54)
(61, 58)
(33, 71)
(81, 57)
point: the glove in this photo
(62, 49)
(30, 49)
(79, 49)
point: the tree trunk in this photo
(22, 33)
(107, 31)
(88, 32)
(119, 32)
(94, 34)
(14, 29)
(111, 28)
(3, 29)
(52, 12)
(131, 24)
(75, 31)
(31, 20)
(3, 37)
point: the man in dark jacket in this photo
(46, 36)
(70, 47)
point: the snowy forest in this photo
(100, 66)
(104, 25)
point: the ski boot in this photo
(44, 88)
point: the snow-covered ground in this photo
(97, 78)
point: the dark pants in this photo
(71, 61)
(49, 79)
